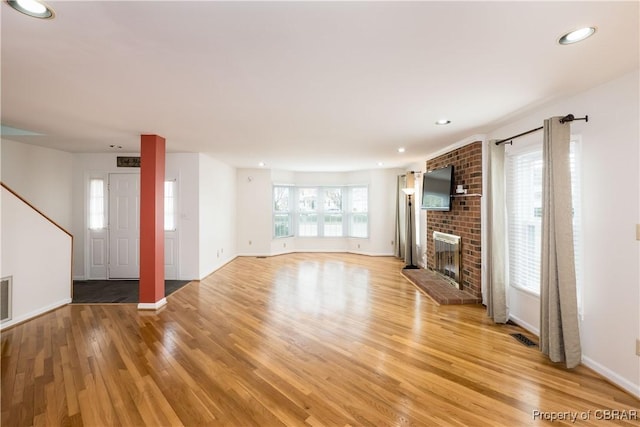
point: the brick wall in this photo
(464, 218)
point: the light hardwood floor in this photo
(301, 339)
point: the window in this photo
(169, 206)
(281, 211)
(524, 215)
(308, 215)
(321, 211)
(332, 217)
(96, 204)
(359, 212)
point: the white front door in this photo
(124, 226)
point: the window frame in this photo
(576, 187)
(173, 203)
(91, 205)
(320, 211)
(287, 212)
(351, 213)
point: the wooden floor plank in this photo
(299, 339)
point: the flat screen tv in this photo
(437, 188)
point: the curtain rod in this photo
(567, 118)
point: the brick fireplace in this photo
(464, 218)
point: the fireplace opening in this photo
(447, 256)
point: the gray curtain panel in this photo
(496, 299)
(410, 253)
(400, 217)
(559, 333)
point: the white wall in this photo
(184, 168)
(611, 208)
(37, 255)
(254, 212)
(253, 198)
(41, 176)
(217, 214)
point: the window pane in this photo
(359, 199)
(282, 225)
(358, 217)
(359, 225)
(281, 199)
(308, 225)
(307, 199)
(333, 200)
(333, 225)
(96, 204)
(169, 205)
(524, 210)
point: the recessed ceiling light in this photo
(401, 150)
(380, 164)
(34, 8)
(443, 122)
(577, 35)
(261, 164)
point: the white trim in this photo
(318, 251)
(35, 313)
(370, 253)
(219, 267)
(616, 379)
(152, 305)
(473, 138)
(256, 254)
(526, 290)
(524, 325)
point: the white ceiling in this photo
(324, 86)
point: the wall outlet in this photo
(392, 243)
(284, 245)
(638, 347)
(358, 245)
(249, 242)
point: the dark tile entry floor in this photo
(115, 291)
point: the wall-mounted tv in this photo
(437, 188)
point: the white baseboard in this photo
(524, 325)
(35, 313)
(607, 373)
(152, 305)
(219, 267)
(260, 254)
(313, 251)
(616, 379)
(370, 253)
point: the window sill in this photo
(526, 291)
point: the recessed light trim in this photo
(262, 164)
(401, 150)
(34, 8)
(576, 36)
(443, 122)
